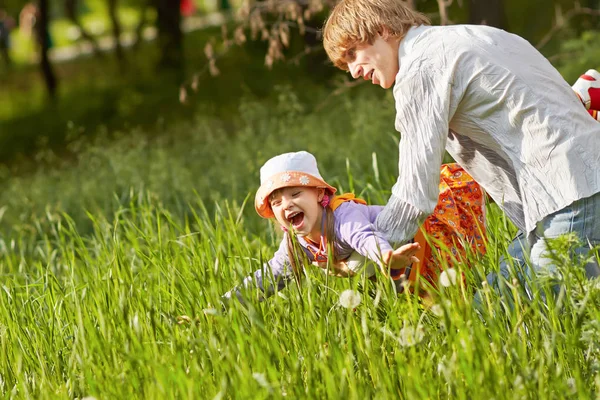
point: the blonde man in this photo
(494, 103)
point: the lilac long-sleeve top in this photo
(355, 231)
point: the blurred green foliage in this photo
(102, 95)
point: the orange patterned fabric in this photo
(458, 220)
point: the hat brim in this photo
(283, 180)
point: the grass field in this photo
(113, 265)
(125, 216)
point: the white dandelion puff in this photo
(349, 298)
(437, 310)
(410, 336)
(304, 180)
(448, 277)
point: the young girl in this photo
(320, 226)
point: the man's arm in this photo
(423, 113)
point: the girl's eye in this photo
(296, 194)
(276, 203)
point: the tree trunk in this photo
(116, 29)
(170, 37)
(71, 12)
(224, 5)
(43, 38)
(139, 29)
(487, 12)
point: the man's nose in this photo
(354, 70)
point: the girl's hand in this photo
(339, 269)
(402, 257)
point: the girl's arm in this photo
(400, 258)
(357, 231)
(276, 273)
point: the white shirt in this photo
(502, 112)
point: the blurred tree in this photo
(170, 36)
(116, 29)
(71, 13)
(224, 5)
(44, 40)
(487, 12)
(143, 21)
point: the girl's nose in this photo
(286, 202)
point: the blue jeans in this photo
(529, 255)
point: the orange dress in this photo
(457, 223)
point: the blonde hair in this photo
(357, 22)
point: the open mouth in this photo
(296, 219)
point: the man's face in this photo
(377, 62)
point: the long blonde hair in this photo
(357, 22)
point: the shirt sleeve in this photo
(276, 273)
(423, 113)
(359, 233)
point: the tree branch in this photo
(562, 20)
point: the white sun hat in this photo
(287, 170)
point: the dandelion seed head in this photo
(410, 336)
(448, 277)
(437, 310)
(350, 298)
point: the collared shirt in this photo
(355, 231)
(502, 111)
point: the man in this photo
(494, 103)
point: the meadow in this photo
(123, 225)
(113, 267)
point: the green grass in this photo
(132, 214)
(113, 265)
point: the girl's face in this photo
(297, 208)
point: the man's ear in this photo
(320, 194)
